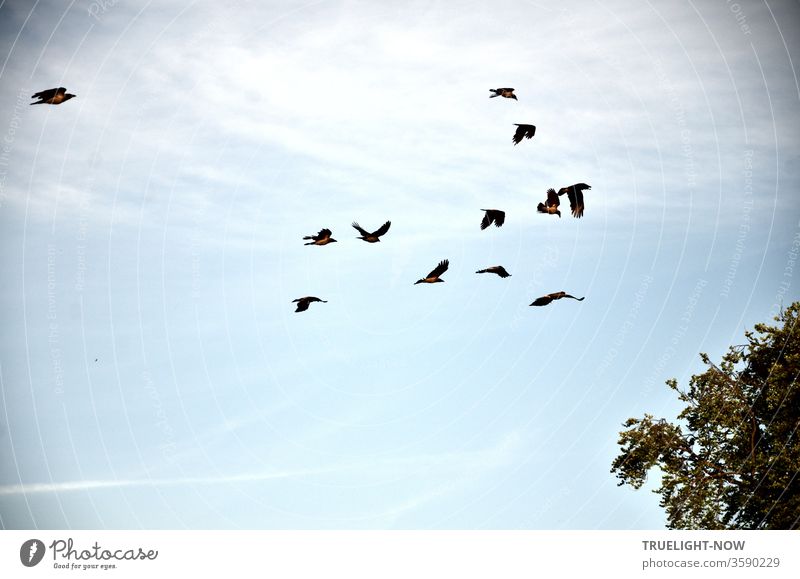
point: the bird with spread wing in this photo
(493, 216)
(374, 236)
(544, 300)
(321, 238)
(523, 132)
(575, 194)
(503, 92)
(551, 205)
(433, 276)
(53, 96)
(497, 269)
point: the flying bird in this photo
(372, 237)
(544, 300)
(321, 238)
(575, 194)
(551, 205)
(53, 96)
(523, 132)
(503, 92)
(493, 216)
(498, 269)
(302, 303)
(433, 276)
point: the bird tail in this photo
(481, 271)
(38, 103)
(496, 94)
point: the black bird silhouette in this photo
(503, 92)
(551, 205)
(544, 300)
(523, 132)
(575, 194)
(53, 96)
(498, 269)
(433, 276)
(493, 216)
(372, 237)
(321, 238)
(302, 303)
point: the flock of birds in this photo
(574, 193)
(491, 216)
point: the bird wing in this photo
(361, 230)
(499, 218)
(323, 234)
(302, 304)
(552, 198)
(575, 201)
(383, 229)
(581, 187)
(518, 134)
(439, 269)
(542, 301)
(577, 211)
(486, 221)
(501, 271)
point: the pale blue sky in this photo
(154, 223)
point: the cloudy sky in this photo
(153, 371)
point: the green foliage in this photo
(732, 461)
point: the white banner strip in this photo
(400, 554)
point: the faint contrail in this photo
(69, 486)
(499, 454)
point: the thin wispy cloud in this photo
(469, 464)
(89, 485)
